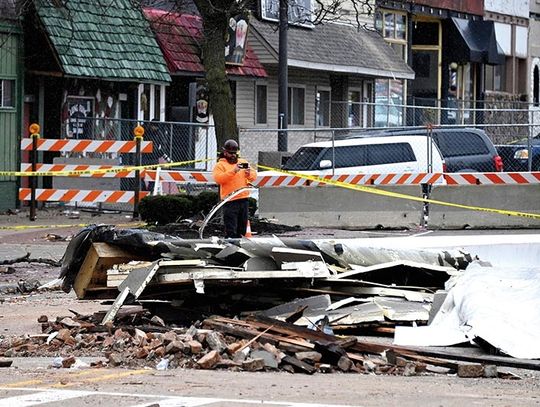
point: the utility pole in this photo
(283, 79)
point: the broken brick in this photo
(253, 365)
(209, 360)
(195, 347)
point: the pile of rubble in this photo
(268, 304)
(257, 343)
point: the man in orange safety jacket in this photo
(233, 173)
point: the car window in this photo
(346, 156)
(456, 144)
(389, 153)
(306, 158)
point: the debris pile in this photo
(256, 343)
(255, 304)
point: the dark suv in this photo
(463, 149)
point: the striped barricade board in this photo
(492, 178)
(180, 177)
(285, 180)
(86, 146)
(78, 195)
(67, 168)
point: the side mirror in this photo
(325, 164)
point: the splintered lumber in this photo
(93, 271)
(283, 331)
(298, 336)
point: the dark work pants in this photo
(235, 217)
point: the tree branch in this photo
(27, 259)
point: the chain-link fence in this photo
(507, 138)
(173, 142)
(496, 117)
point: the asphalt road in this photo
(31, 381)
(33, 384)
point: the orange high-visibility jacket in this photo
(229, 181)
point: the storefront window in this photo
(388, 103)
(355, 118)
(323, 108)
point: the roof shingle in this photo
(179, 36)
(337, 47)
(103, 39)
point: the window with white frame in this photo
(261, 98)
(393, 27)
(323, 107)
(355, 108)
(7, 93)
(297, 101)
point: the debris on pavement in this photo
(260, 304)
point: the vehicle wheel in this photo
(535, 166)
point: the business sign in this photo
(79, 110)
(235, 46)
(300, 11)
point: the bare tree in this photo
(215, 16)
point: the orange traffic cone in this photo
(248, 230)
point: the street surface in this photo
(147, 387)
(32, 381)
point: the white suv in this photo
(377, 155)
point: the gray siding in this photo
(254, 141)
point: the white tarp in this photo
(499, 305)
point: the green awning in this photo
(103, 39)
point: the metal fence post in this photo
(138, 133)
(426, 188)
(34, 133)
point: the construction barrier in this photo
(79, 170)
(78, 195)
(34, 144)
(87, 146)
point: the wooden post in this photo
(138, 132)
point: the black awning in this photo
(474, 41)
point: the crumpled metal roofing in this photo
(100, 39)
(179, 36)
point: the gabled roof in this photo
(103, 39)
(335, 48)
(179, 36)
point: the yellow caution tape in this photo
(100, 171)
(372, 190)
(79, 225)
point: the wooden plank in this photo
(93, 271)
(111, 314)
(307, 270)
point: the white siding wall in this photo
(254, 141)
(349, 15)
(519, 8)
